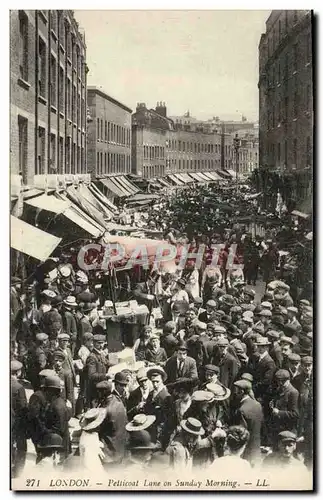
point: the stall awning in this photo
(97, 193)
(143, 197)
(204, 176)
(75, 195)
(86, 193)
(175, 180)
(30, 240)
(195, 176)
(186, 178)
(121, 182)
(164, 182)
(49, 203)
(114, 187)
(299, 214)
(213, 176)
(201, 177)
(181, 178)
(225, 174)
(231, 172)
(134, 189)
(81, 219)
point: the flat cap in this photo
(236, 309)
(282, 375)
(292, 309)
(247, 376)
(307, 360)
(48, 293)
(41, 336)
(87, 336)
(243, 384)
(212, 368)
(266, 313)
(294, 358)
(219, 329)
(105, 385)
(15, 366)
(259, 329)
(266, 305)
(63, 336)
(59, 355)
(211, 303)
(286, 340)
(273, 334)
(305, 302)
(99, 338)
(287, 436)
(222, 342)
(250, 292)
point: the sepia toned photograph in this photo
(161, 250)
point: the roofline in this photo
(103, 94)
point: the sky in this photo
(202, 61)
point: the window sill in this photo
(42, 15)
(62, 48)
(54, 109)
(61, 114)
(23, 83)
(42, 99)
(307, 65)
(69, 61)
(54, 36)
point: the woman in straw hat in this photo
(90, 446)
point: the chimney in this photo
(140, 105)
(161, 109)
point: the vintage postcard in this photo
(161, 273)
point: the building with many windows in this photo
(163, 145)
(48, 108)
(109, 135)
(286, 94)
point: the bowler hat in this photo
(182, 346)
(121, 378)
(192, 426)
(141, 440)
(51, 441)
(99, 338)
(57, 300)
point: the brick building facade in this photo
(48, 108)
(163, 146)
(286, 91)
(109, 135)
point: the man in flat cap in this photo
(287, 345)
(294, 367)
(181, 365)
(274, 350)
(37, 359)
(228, 364)
(284, 458)
(66, 377)
(284, 405)
(159, 401)
(52, 322)
(249, 414)
(138, 397)
(18, 419)
(168, 340)
(304, 384)
(96, 367)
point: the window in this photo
(109, 132)
(286, 108)
(40, 169)
(183, 146)
(78, 110)
(308, 152)
(179, 164)
(23, 144)
(105, 130)
(278, 152)
(295, 17)
(98, 128)
(295, 152)
(67, 155)
(279, 30)
(23, 45)
(308, 97)
(295, 104)
(68, 41)
(286, 69)
(278, 74)
(61, 156)
(68, 99)
(41, 67)
(61, 89)
(73, 159)
(101, 162)
(52, 159)
(98, 163)
(74, 104)
(295, 57)
(308, 47)
(78, 158)
(179, 145)
(53, 20)
(53, 81)
(279, 117)
(286, 20)
(105, 162)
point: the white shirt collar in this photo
(261, 356)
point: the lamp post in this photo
(236, 145)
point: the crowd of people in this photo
(221, 377)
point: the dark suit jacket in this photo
(69, 323)
(68, 390)
(135, 397)
(18, 411)
(96, 368)
(275, 353)
(52, 323)
(56, 421)
(250, 415)
(169, 343)
(113, 429)
(229, 369)
(156, 358)
(189, 369)
(263, 372)
(36, 416)
(287, 404)
(160, 406)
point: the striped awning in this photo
(30, 240)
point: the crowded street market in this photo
(198, 360)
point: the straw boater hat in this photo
(262, 341)
(140, 422)
(192, 426)
(219, 391)
(203, 396)
(70, 301)
(92, 419)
